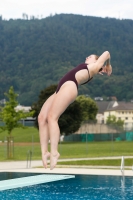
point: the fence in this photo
(91, 131)
(28, 123)
(128, 136)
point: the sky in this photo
(120, 9)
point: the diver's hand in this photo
(107, 69)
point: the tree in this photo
(31, 55)
(70, 121)
(43, 96)
(89, 107)
(11, 117)
(112, 120)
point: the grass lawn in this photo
(27, 134)
(112, 162)
(23, 139)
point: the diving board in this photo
(31, 180)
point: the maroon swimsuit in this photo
(70, 76)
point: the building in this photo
(2, 101)
(29, 121)
(98, 98)
(123, 111)
(102, 107)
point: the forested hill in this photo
(36, 53)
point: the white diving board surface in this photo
(31, 180)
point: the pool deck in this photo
(36, 167)
(74, 171)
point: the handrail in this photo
(123, 177)
(122, 165)
(29, 158)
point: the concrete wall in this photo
(96, 128)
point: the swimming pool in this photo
(85, 187)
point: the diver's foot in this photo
(53, 160)
(45, 156)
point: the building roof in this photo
(103, 105)
(121, 106)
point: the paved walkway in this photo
(112, 172)
(38, 163)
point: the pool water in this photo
(85, 187)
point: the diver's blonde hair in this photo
(96, 56)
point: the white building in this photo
(102, 107)
(121, 110)
(23, 108)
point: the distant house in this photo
(23, 108)
(2, 101)
(123, 111)
(102, 107)
(98, 98)
(29, 121)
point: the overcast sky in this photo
(122, 9)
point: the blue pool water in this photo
(85, 187)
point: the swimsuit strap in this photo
(89, 76)
(88, 72)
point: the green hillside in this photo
(36, 53)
